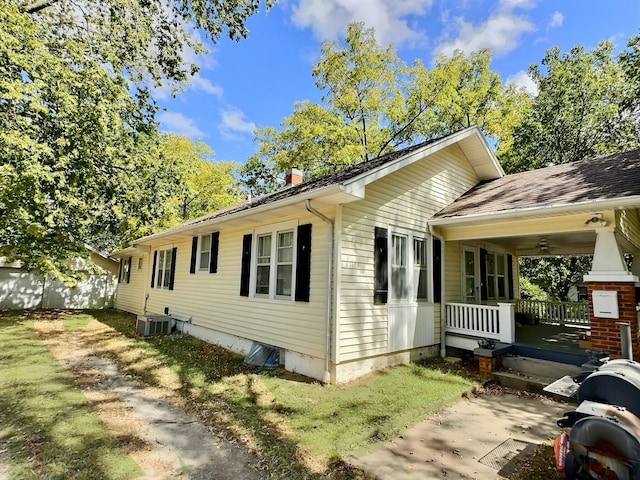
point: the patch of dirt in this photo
(149, 422)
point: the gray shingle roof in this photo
(602, 178)
(333, 178)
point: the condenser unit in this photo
(151, 325)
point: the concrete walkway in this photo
(472, 439)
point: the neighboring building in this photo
(351, 272)
(20, 289)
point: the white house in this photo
(349, 272)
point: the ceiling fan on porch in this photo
(543, 246)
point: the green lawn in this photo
(300, 427)
(289, 416)
(49, 427)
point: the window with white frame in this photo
(408, 265)
(140, 263)
(496, 277)
(205, 252)
(420, 267)
(163, 268)
(125, 270)
(274, 262)
(399, 272)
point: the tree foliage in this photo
(555, 275)
(204, 185)
(584, 108)
(79, 144)
(374, 103)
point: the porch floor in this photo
(550, 342)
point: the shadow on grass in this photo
(50, 429)
(223, 391)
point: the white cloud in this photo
(234, 123)
(329, 18)
(501, 31)
(178, 123)
(522, 79)
(198, 82)
(556, 20)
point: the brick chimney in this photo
(293, 177)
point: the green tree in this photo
(581, 109)
(204, 185)
(374, 103)
(79, 144)
(555, 275)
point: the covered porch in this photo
(551, 330)
(557, 331)
(589, 207)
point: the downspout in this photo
(443, 311)
(327, 349)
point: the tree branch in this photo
(36, 7)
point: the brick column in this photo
(609, 273)
(605, 332)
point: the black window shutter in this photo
(213, 255)
(303, 265)
(437, 270)
(246, 264)
(380, 259)
(510, 275)
(483, 275)
(172, 272)
(128, 276)
(194, 253)
(120, 271)
(153, 270)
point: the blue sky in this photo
(255, 82)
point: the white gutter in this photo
(327, 349)
(595, 205)
(443, 311)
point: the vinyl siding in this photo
(130, 296)
(628, 223)
(212, 300)
(453, 267)
(404, 199)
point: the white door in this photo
(470, 275)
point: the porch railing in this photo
(482, 321)
(556, 313)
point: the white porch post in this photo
(507, 318)
(610, 278)
(608, 261)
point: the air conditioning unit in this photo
(151, 325)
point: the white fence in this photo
(20, 290)
(482, 321)
(556, 313)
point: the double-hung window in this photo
(125, 270)
(420, 267)
(408, 266)
(495, 276)
(399, 272)
(205, 252)
(163, 275)
(274, 264)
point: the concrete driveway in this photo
(473, 439)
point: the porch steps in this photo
(532, 374)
